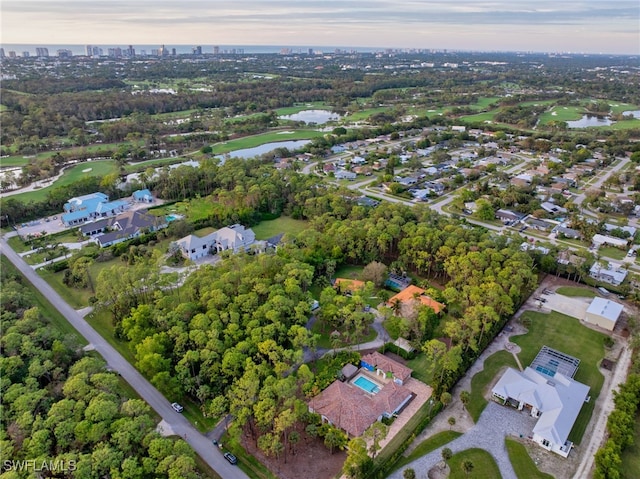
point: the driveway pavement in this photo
(574, 307)
(495, 424)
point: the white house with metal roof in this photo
(603, 313)
(236, 238)
(556, 400)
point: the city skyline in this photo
(587, 26)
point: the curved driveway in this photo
(201, 445)
(495, 424)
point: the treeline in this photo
(64, 409)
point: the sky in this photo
(590, 26)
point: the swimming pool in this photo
(366, 385)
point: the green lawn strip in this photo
(364, 114)
(428, 445)
(567, 335)
(480, 117)
(484, 466)
(42, 256)
(95, 168)
(76, 298)
(611, 252)
(481, 380)
(576, 291)
(263, 138)
(631, 455)
(522, 463)
(18, 245)
(284, 224)
(57, 320)
(619, 107)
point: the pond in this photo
(588, 120)
(312, 116)
(634, 113)
(266, 148)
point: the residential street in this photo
(200, 443)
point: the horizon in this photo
(542, 26)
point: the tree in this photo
(377, 432)
(409, 474)
(446, 454)
(467, 466)
(465, 397)
(484, 210)
(375, 272)
(445, 398)
(358, 463)
(451, 421)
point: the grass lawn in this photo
(95, 168)
(522, 463)
(480, 117)
(77, 298)
(261, 139)
(611, 252)
(349, 271)
(18, 245)
(484, 466)
(363, 114)
(631, 455)
(428, 445)
(41, 257)
(420, 366)
(566, 334)
(283, 224)
(619, 107)
(576, 291)
(481, 380)
(57, 320)
(325, 339)
(568, 113)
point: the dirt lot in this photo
(310, 459)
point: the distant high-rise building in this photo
(130, 52)
(25, 55)
(197, 50)
(64, 53)
(12, 54)
(89, 50)
(173, 52)
(42, 52)
(114, 52)
(2, 52)
(216, 50)
(96, 52)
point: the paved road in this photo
(200, 443)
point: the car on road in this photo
(230, 457)
(176, 407)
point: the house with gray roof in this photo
(235, 237)
(550, 396)
(90, 207)
(603, 313)
(612, 273)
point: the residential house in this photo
(386, 367)
(600, 240)
(85, 208)
(552, 397)
(354, 408)
(366, 201)
(553, 208)
(408, 297)
(128, 225)
(142, 196)
(540, 225)
(235, 238)
(406, 181)
(603, 313)
(627, 229)
(507, 216)
(567, 232)
(345, 175)
(611, 274)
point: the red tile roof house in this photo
(352, 409)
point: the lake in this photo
(266, 148)
(587, 121)
(312, 116)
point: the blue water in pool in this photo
(366, 385)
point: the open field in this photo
(292, 110)
(285, 224)
(481, 380)
(484, 466)
(363, 114)
(522, 463)
(567, 335)
(95, 168)
(561, 113)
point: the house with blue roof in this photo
(142, 196)
(85, 208)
